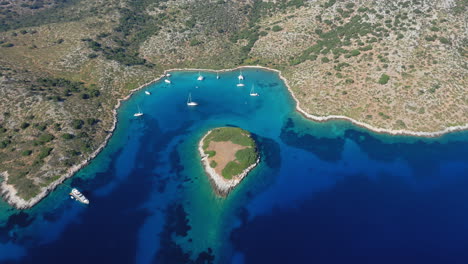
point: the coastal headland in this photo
(228, 155)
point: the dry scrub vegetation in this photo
(392, 64)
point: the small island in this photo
(228, 155)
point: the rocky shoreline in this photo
(221, 186)
(9, 193)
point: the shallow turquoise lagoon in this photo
(324, 192)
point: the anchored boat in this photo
(190, 102)
(240, 77)
(252, 92)
(77, 195)
(139, 113)
(200, 77)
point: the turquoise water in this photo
(325, 192)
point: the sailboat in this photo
(139, 113)
(168, 75)
(240, 77)
(167, 81)
(190, 102)
(217, 76)
(200, 77)
(147, 92)
(252, 92)
(240, 84)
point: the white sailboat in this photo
(240, 84)
(167, 81)
(200, 77)
(190, 102)
(139, 113)
(147, 93)
(217, 76)
(240, 77)
(168, 75)
(252, 92)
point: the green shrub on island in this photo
(210, 153)
(234, 134)
(244, 158)
(213, 164)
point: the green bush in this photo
(276, 28)
(195, 42)
(430, 38)
(244, 158)
(384, 79)
(210, 153)
(213, 164)
(24, 125)
(68, 136)
(40, 127)
(444, 40)
(91, 121)
(44, 153)
(330, 3)
(26, 152)
(77, 123)
(44, 138)
(355, 52)
(366, 48)
(5, 143)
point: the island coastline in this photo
(9, 193)
(221, 186)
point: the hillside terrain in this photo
(65, 63)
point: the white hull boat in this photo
(75, 194)
(190, 102)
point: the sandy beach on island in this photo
(221, 186)
(9, 193)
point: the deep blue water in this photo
(323, 192)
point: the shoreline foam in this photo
(221, 186)
(9, 193)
